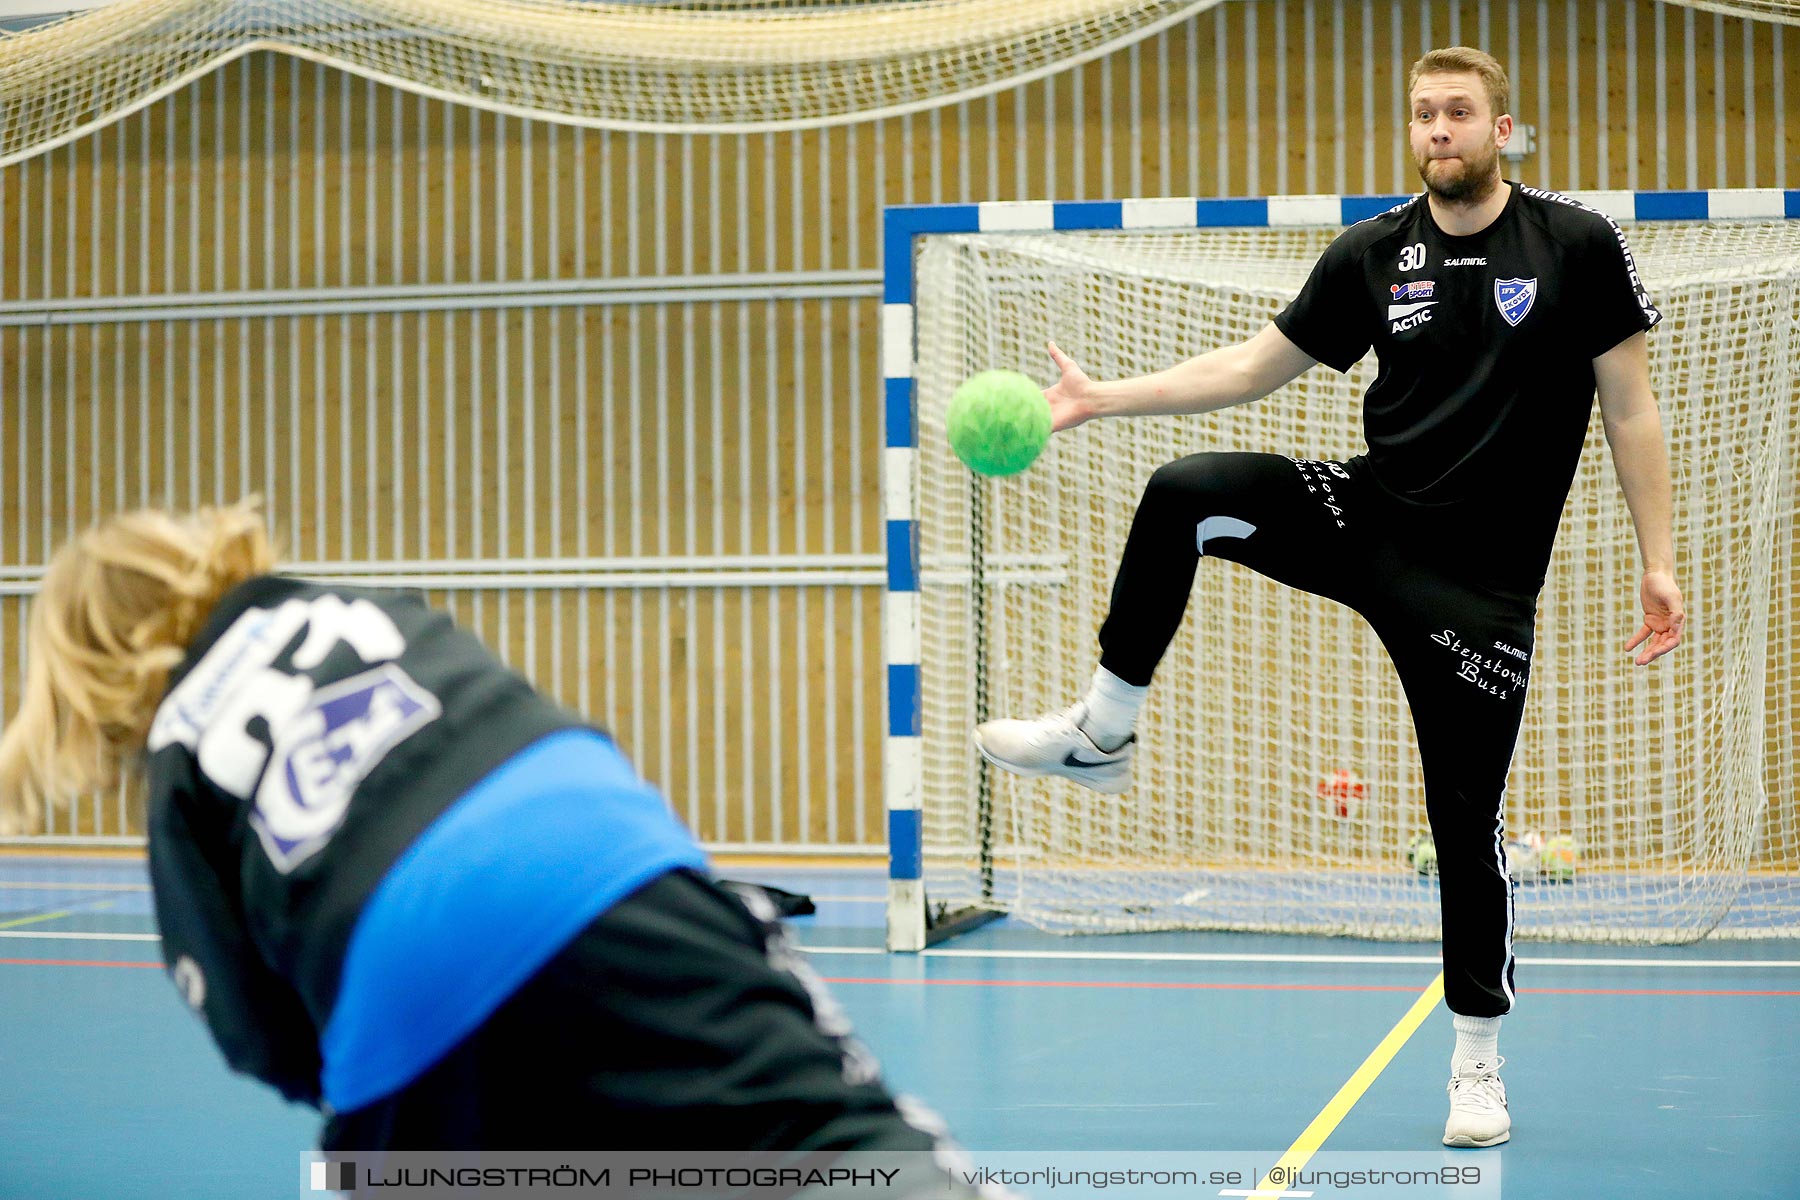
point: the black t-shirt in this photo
(1486, 345)
(401, 713)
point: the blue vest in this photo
(487, 895)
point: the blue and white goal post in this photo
(967, 276)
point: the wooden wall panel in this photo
(684, 427)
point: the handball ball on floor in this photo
(1524, 856)
(1561, 857)
(1421, 852)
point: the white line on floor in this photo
(1129, 956)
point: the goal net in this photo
(1675, 783)
(670, 66)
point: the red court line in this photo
(1145, 984)
(1648, 992)
(1294, 987)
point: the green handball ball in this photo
(998, 422)
(1561, 858)
(1421, 852)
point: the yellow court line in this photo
(51, 916)
(1314, 1135)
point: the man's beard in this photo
(1468, 181)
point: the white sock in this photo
(1112, 709)
(1477, 1038)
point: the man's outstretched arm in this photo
(1634, 431)
(1235, 374)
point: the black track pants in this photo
(1462, 647)
(679, 1020)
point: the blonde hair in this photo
(1471, 60)
(119, 605)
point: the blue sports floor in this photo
(1632, 1072)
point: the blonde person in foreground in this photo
(400, 885)
(1496, 310)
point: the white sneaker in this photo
(1478, 1115)
(1054, 744)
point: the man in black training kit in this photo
(1496, 310)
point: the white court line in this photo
(1122, 956)
(1350, 959)
(80, 937)
(41, 886)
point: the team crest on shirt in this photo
(325, 750)
(1514, 298)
